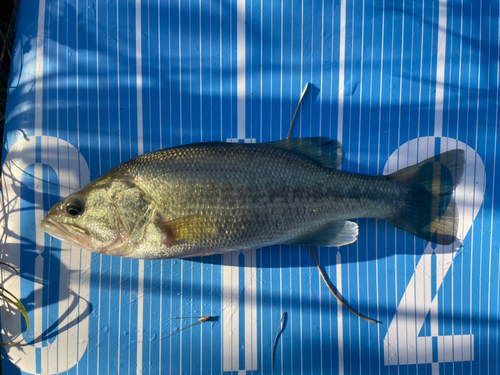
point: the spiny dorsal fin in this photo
(325, 150)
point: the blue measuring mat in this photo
(94, 83)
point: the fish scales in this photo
(215, 197)
(257, 195)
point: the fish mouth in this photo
(58, 231)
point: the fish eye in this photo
(74, 207)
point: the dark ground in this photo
(8, 10)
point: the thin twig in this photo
(339, 298)
(297, 110)
(5, 264)
(201, 319)
(281, 327)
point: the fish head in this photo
(87, 219)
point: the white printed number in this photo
(402, 343)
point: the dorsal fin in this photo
(325, 150)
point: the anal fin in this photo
(337, 234)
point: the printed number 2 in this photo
(402, 343)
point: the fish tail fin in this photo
(429, 210)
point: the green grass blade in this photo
(12, 299)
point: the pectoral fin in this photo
(337, 234)
(190, 228)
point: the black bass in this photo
(210, 198)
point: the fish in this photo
(211, 197)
